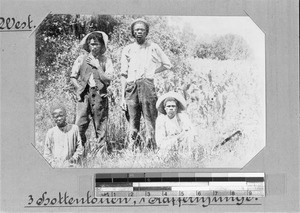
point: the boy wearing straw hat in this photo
(91, 75)
(140, 61)
(174, 129)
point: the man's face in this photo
(59, 117)
(171, 109)
(95, 47)
(139, 31)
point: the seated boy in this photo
(63, 144)
(174, 130)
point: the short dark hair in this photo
(58, 106)
(94, 36)
(138, 22)
(170, 99)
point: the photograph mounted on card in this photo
(132, 91)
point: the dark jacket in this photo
(85, 72)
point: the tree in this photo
(223, 47)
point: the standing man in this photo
(91, 75)
(140, 61)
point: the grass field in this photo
(223, 97)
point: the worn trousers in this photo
(95, 106)
(141, 98)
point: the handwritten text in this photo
(12, 24)
(63, 199)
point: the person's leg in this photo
(134, 111)
(82, 117)
(99, 106)
(148, 99)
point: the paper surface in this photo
(24, 171)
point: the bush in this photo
(224, 47)
(213, 88)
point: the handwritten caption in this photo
(63, 199)
(12, 24)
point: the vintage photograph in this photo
(134, 91)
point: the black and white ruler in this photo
(180, 185)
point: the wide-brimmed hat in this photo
(85, 46)
(139, 20)
(180, 101)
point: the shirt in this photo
(141, 61)
(61, 146)
(109, 69)
(167, 129)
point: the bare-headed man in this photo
(140, 61)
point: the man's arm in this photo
(48, 146)
(160, 131)
(124, 75)
(75, 72)
(103, 75)
(79, 147)
(164, 60)
(75, 82)
(123, 86)
(109, 69)
(160, 69)
(188, 127)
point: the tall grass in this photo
(223, 97)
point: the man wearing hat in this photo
(91, 75)
(174, 129)
(140, 61)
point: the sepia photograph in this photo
(134, 91)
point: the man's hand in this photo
(93, 62)
(72, 160)
(182, 135)
(151, 143)
(75, 83)
(123, 104)
(78, 97)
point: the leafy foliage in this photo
(224, 47)
(231, 47)
(212, 89)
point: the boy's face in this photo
(171, 109)
(95, 47)
(59, 117)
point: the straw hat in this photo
(85, 46)
(160, 102)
